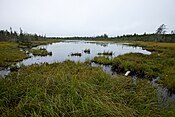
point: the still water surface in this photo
(62, 51)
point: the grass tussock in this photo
(102, 60)
(106, 53)
(75, 89)
(76, 54)
(40, 52)
(87, 51)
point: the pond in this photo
(61, 51)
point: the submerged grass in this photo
(40, 52)
(75, 89)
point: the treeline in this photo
(147, 37)
(11, 35)
(159, 36)
(135, 37)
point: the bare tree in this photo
(161, 29)
(173, 32)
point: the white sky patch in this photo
(87, 17)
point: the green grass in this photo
(36, 43)
(160, 63)
(102, 60)
(10, 54)
(76, 89)
(10, 51)
(40, 52)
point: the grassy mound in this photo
(40, 52)
(10, 54)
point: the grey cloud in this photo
(86, 17)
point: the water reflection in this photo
(61, 51)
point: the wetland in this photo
(78, 77)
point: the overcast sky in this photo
(87, 17)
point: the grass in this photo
(163, 55)
(40, 52)
(102, 60)
(10, 54)
(10, 51)
(106, 53)
(76, 54)
(160, 63)
(76, 89)
(37, 43)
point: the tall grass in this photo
(75, 89)
(160, 63)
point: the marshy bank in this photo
(62, 51)
(159, 64)
(40, 52)
(12, 52)
(69, 89)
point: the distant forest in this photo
(11, 35)
(159, 36)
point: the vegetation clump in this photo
(10, 54)
(102, 60)
(87, 51)
(76, 54)
(76, 89)
(40, 52)
(106, 53)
